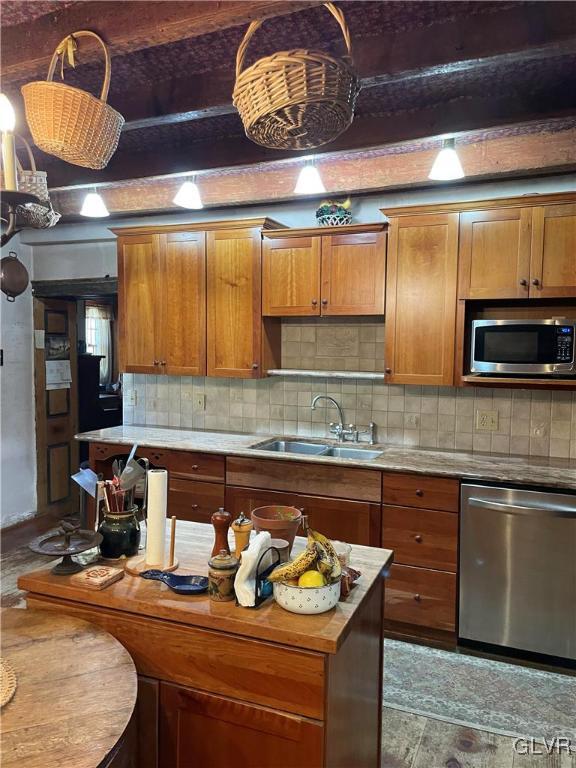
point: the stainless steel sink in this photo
(317, 449)
(360, 454)
(292, 446)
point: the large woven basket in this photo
(296, 99)
(68, 122)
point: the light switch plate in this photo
(132, 397)
(487, 421)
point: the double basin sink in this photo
(304, 448)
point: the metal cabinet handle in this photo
(156, 362)
(388, 370)
(535, 282)
(194, 506)
(418, 598)
(255, 366)
(195, 467)
(524, 282)
(419, 492)
(162, 362)
(418, 538)
(314, 302)
(324, 301)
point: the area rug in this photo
(488, 695)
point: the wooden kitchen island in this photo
(221, 685)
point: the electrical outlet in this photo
(487, 421)
(132, 397)
(199, 402)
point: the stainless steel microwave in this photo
(523, 347)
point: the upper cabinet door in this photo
(234, 337)
(495, 254)
(140, 303)
(553, 265)
(353, 274)
(184, 306)
(291, 276)
(421, 299)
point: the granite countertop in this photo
(522, 470)
(324, 632)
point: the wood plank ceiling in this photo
(498, 75)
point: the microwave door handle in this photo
(547, 510)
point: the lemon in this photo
(311, 579)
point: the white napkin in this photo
(245, 581)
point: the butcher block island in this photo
(222, 685)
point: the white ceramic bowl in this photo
(307, 599)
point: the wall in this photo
(18, 444)
(531, 423)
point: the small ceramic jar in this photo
(221, 574)
(120, 534)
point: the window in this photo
(99, 337)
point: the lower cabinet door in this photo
(199, 730)
(356, 522)
(421, 597)
(194, 501)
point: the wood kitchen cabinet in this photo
(553, 254)
(356, 522)
(339, 272)
(421, 299)
(162, 303)
(518, 253)
(240, 343)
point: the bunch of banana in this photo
(319, 553)
(296, 568)
(328, 562)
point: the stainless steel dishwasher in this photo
(518, 569)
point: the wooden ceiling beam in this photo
(453, 117)
(487, 156)
(126, 27)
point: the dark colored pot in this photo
(13, 277)
(120, 535)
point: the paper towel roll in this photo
(156, 517)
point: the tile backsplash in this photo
(530, 422)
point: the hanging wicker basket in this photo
(32, 181)
(296, 99)
(68, 122)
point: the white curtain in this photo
(99, 337)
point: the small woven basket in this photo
(68, 122)
(338, 219)
(296, 99)
(34, 182)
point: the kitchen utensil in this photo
(172, 539)
(64, 542)
(13, 276)
(241, 528)
(87, 480)
(306, 600)
(221, 521)
(183, 585)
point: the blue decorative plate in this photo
(183, 585)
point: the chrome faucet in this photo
(337, 429)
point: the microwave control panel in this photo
(564, 344)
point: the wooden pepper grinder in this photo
(221, 521)
(241, 527)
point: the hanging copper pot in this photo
(14, 276)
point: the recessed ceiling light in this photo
(447, 165)
(94, 206)
(188, 196)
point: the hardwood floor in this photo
(409, 741)
(413, 741)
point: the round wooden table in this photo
(76, 691)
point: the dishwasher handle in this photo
(546, 510)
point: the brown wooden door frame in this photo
(56, 415)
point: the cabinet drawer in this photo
(424, 537)
(421, 491)
(103, 451)
(194, 501)
(348, 482)
(262, 673)
(185, 464)
(422, 597)
(356, 522)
